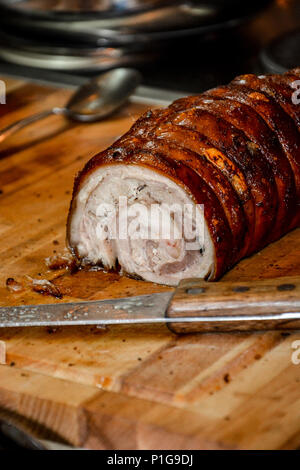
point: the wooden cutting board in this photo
(125, 387)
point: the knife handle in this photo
(268, 297)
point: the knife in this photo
(194, 306)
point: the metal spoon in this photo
(95, 100)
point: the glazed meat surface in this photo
(198, 185)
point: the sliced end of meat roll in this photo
(99, 214)
(191, 189)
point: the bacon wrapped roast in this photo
(231, 153)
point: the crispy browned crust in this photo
(209, 118)
(235, 149)
(283, 161)
(187, 145)
(277, 87)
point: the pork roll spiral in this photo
(231, 155)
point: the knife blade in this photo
(139, 309)
(194, 306)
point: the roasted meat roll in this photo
(191, 189)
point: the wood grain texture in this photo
(238, 300)
(125, 387)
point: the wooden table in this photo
(125, 387)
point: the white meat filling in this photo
(144, 221)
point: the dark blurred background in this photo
(177, 45)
